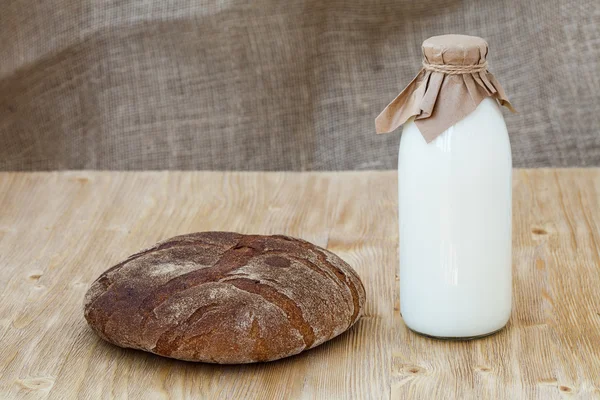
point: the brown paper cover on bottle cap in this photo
(452, 82)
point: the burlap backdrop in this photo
(270, 84)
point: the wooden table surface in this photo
(59, 231)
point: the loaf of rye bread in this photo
(227, 298)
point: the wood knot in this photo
(539, 231)
(35, 275)
(413, 370)
(40, 383)
(565, 389)
(482, 368)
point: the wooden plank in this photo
(60, 230)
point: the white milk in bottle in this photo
(454, 184)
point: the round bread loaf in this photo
(226, 298)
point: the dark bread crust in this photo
(226, 298)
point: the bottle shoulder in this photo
(481, 138)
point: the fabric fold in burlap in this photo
(453, 81)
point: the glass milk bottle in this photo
(454, 181)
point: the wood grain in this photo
(59, 231)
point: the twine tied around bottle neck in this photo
(455, 69)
